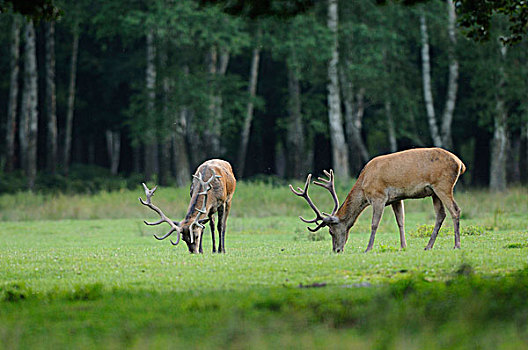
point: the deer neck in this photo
(353, 205)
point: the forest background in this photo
(126, 91)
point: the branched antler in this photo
(148, 203)
(329, 185)
(204, 188)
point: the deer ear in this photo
(329, 220)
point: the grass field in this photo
(81, 272)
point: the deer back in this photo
(411, 174)
(222, 188)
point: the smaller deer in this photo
(388, 180)
(208, 197)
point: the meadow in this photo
(83, 271)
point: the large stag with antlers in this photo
(211, 192)
(388, 180)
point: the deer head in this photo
(338, 230)
(191, 229)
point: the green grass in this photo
(103, 281)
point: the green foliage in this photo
(14, 292)
(82, 178)
(425, 230)
(465, 230)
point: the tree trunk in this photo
(168, 117)
(217, 67)
(390, 127)
(212, 132)
(51, 105)
(113, 145)
(452, 84)
(337, 135)
(426, 78)
(500, 134)
(30, 100)
(13, 94)
(295, 143)
(353, 124)
(71, 101)
(151, 144)
(246, 128)
(182, 171)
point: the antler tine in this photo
(163, 218)
(329, 185)
(304, 193)
(322, 224)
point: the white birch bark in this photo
(337, 135)
(51, 105)
(452, 84)
(426, 79)
(13, 93)
(246, 128)
(71, 101)
(500, 138)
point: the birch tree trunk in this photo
(500, 138)
(337, 135)
(246, 128)
(71, 101)
(113, 145)
(51, 105)
(30, 100)
(295, 142)
(426, 79)
(151, 146)
(452, 84)
(13, 94)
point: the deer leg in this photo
(377, 212)
(399, 213)
(221, 214)
(453, 208)
(440, 216)
(224, 223)
(212, 225)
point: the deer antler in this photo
(204, 187)
(329, 185)
(148, 203)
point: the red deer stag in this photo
(389, 179)
(207, 198)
